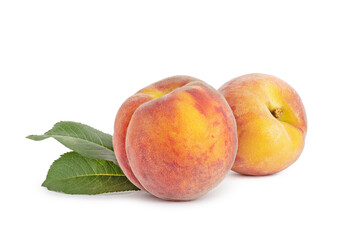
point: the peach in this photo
(176, 138)
(271, 123)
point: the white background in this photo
(79, 60)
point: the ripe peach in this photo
(176, 138)
(271, 123)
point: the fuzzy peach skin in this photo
(271, 123)
(176, 138)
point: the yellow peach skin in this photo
(176, 138)
(271, 123)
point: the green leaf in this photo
(82, 139)
(75, 174)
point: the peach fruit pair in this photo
(178, 138)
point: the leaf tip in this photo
(37, 137)
(44, 184)
(31, 137)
